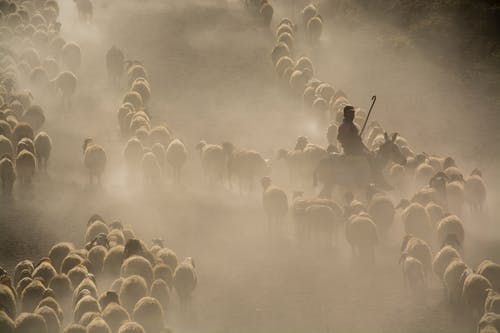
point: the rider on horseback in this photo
(349, 138)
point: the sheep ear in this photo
(386, 137)
(394, 136)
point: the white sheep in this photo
(453, 282)
(94, 159)
(71, 56)
(275, 203)
(176, 156)
(491, 271)
(115, 315)
(115, 64)
(30, 323)
(443, 258)
(475, 192)
(43, 147)
(416, 221)
(361, 234)
(7, 325)
(26, 166)
(419, 249)
(450, 225)
(85, 10)
(50, 317)
(185, 280)
(213, 161)
(7, 175)
(139, 266)
(413, 274)
(65, 83)
(475, 291)
(131, 291)
(131, 327)
(8, 301)
(489, 323)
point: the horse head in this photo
(389, 150)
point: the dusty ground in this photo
(212, 79)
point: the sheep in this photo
(450, 225)
(7, 301)
(65, 83)
(419, 249)
(7, 175)
(85, 304)
(176, 156)
(161, 291)
(475, 192)
(491, 271)
(266, 12)
(95, 227)
(22, 130)
(51, 319)
(75, 328)
(455, 196)
(381, 210)
(163, 272)
(142, 87)
(314, 28)
(86, 287)
(282, 64)
(69, 262)
(23, 283)
(94, 158)
(134, 72)
(115, 315)
(26, 144)
(46, 271)
(5, 130)
(415, 219)
(31, 295)
(149, 314)
(489, 323)
(77, 274)
(34, 115)
(131, 291)
(51, 67)
(7, 325)
(361, 234)
(52, 303)
(85, 10)
(71, 56)
(96, 257)
(88, 317)
(275, 203)
(279, 50)
(151, 170)
(475, 291)
(133, 153)
(131, 327)
(492, 302)
(25, 264)
(58, 252)
(452, 280)
(98, 325)
(30, 323)
(213, 161)
(116, 285)
(115, 64)
(413, 273)
(116, 237)
(308, 12)
(43, 147)
(62, 287)
(113, 261)
(321, 223)
(443, 258)
(137, 265)
(135, 99)
(423, 174)
(185, 280)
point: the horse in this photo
(357, 171)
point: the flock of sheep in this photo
(432, 218)
(116, 283)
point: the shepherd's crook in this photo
(374, 98)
